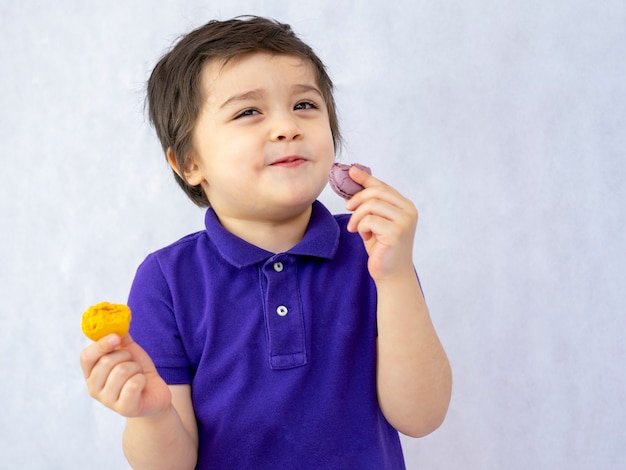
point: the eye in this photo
(247, 112)
(305, 105)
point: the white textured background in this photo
(503, 120)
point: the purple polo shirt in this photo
(280, 349)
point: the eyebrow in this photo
(303, 88)
(257, 93)
(249, 95)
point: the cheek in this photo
(329, 145)
(240, 146)
(231, 155)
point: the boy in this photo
(277, 337)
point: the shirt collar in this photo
(320, 239)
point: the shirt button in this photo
(282, 310)
(278, 266)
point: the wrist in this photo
(156, 417)
(399, 275)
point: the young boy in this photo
(281, 336)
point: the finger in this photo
(130, 399)
(116, 381)
(101, 371)
(378, 190)
(386, 232)
(92, 353)
(138, 353)
(403, 216)
(379, 207)
(362, 177)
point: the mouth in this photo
(289, 161)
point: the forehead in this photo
(254, 70)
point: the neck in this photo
(275, 236)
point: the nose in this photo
(285, 128)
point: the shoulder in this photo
(165, 272)
(164, 263)
(181, 247)
(183, 244)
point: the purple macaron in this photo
(341, 182)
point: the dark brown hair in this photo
(174, 90)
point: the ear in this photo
(191, 173)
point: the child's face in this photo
(263, 147)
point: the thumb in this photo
(139, 354)
(361, 174)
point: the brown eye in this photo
(305, 105)
(247, 112)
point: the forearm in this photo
(159, 442)
(413, 373)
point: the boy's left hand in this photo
(386, 221)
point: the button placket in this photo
(283, 314)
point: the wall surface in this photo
(504, 121)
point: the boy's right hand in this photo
(121, 375)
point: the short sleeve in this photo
(154, 325)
